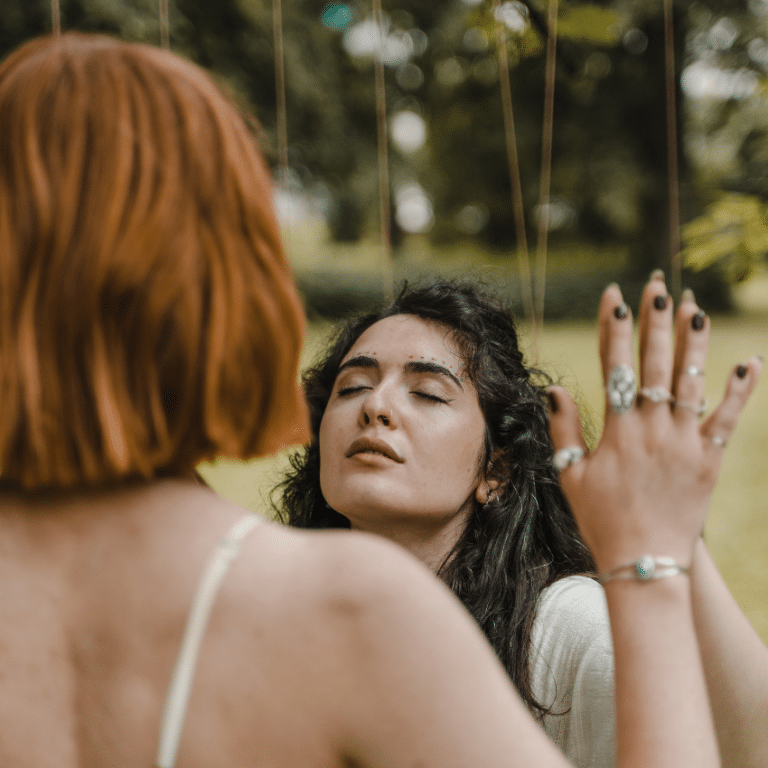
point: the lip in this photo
(371, 444)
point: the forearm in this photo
(660, 687)
(735, 664)
(644, 488)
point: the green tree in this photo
(609, 160)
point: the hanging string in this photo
(546, 163)
(282, 112)
(381, 133)
(523, 261)
(56, 17)
(672, 170)
(165, 35)
(281, 121)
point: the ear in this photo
(491, 480)
(485, 489)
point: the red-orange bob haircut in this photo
(148, 318)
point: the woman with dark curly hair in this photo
(475, 497)
(523, 536)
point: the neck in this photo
(55, 505)
(429, 544)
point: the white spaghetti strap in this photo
(181, 681)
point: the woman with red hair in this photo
(148, 321)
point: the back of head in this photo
(148, 319)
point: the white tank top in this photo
(181, 681)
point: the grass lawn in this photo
(737, 527)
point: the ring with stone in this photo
(699, 410)
(692, 370)
(567, 456)
(657, 394)
(621, 388)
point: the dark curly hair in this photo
(526, 537)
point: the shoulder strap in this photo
(181, 681)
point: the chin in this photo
(368, 507)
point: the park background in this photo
(449, 190)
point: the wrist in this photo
(620, 553)
(636, 601)
(645, 568)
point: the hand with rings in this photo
(645, 486)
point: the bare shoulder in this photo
(330, 569)
(380, 648)
(283, 570)
(346, 645)
(356, 595)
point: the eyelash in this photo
(432, 398)
(349, 390)
(344, 391)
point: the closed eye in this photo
(351, 390)
(432, 398)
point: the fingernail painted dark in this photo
(741, 371)
(660, 302)
(621, 311)
(552, 402)
(697, 321)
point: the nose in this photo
(377, 407)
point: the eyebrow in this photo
(361, 361)
(412, 366)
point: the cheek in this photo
(331, 442)
(456, 459)
(330, 425)
(326, 444)
(471, 451)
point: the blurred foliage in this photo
(609, 175)
(733, 233)
(590, 24)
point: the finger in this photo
(615, 337)
(656, 345)
(719, 426)
(565, 428)
(691, 340)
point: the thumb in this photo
(566, 434)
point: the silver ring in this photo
(567, 456)
(699, 410)
(621, 388)
(720, 442)
(657, 394)
(692, 370)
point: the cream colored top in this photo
(572, 667)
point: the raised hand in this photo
(645, 487)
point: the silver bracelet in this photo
(645, 568)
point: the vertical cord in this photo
(282, 114)
(524, 265)
(165, 35)
(381, 132)
(281, 111)
(56, 17)
(672, 163)
(546, 164)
